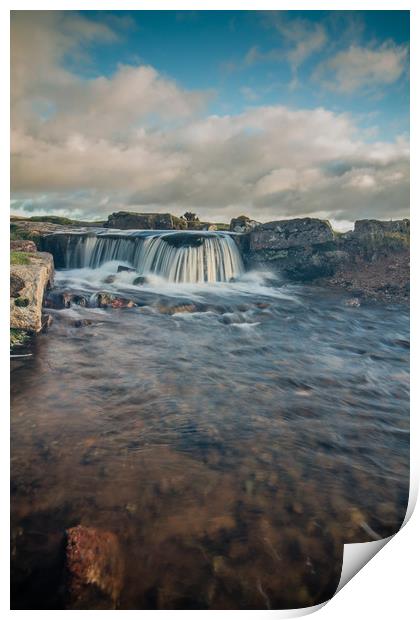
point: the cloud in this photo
(363, 68)
(301, 38)
(298, 40)
(136, 139)
(305, 38)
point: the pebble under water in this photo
(233, 436)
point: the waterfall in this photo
(176, 256)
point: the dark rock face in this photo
(16, 285)
(121, 268)
(23, 245)
(300, 249)
(242, 224)
(125, 220)
(378, 227)
(290, 233)
(372, 260)
(94, 569)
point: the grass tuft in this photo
(17, 337)
(19, 258)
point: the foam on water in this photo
(252, 283)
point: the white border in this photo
(387, 586)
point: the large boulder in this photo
(299, 249)
(26, 301)
(125, 220)
(242, 224)
(284, 234)
(94, 568)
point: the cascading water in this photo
(182, 257)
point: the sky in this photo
(269, 114)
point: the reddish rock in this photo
(94, 569)
(106, 300)
(177, 309)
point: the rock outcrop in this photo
(22, 245)
(381, 228)
(94, 569)
(371, 260)
(242, 224)
(285, 234)
(26, 300)
(35, 231)
(125, 220)
(301, 249)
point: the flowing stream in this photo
(233, 432)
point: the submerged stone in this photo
(107, 300)
(140, 280)
(95, 569)
(353, 303)
(177, 309)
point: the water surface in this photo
(233, 449)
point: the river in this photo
(232, 434)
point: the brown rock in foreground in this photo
(94, 569)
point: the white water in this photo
(177, 257)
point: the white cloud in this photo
(362, 67)
(137, 140)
